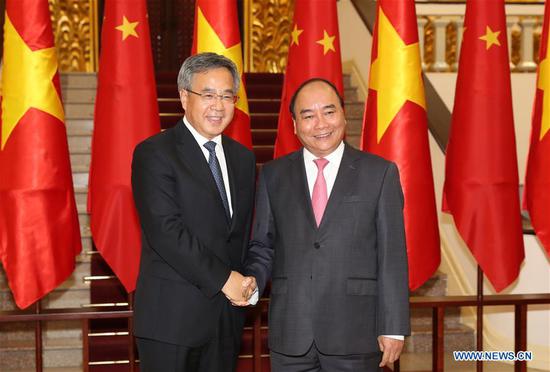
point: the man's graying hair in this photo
(203, 62)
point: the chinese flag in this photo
(39, 230)
(537, 179)
(395, 128)
(217, 30)
(314, 52)
(126, 113)
(481, 177)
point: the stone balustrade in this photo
(440, 28)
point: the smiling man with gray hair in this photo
(193, 189)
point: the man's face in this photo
(320, 123)
(209, 118)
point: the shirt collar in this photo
(201, 140)
(334, 157)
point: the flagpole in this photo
(131, 354)
(38, 337)
(479, 363)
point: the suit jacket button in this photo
(228, 240)
(316, 245)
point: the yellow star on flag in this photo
(490, 38)
(543, 83)
(295, 35)
(26, 81)
(209, 41)
(327, 42)
(395, 75)
(127, 28)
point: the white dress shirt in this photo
(201, 140)
(330, 171)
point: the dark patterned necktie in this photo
(217, 174)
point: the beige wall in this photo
(457, 261)
(355, 42)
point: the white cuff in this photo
(253, 300)
(396, 337)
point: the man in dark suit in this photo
(329, 231)
(193, 189)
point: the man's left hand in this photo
(391, 349)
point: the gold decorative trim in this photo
(537, 34)
(268, 24)
(451, 56)
(515, 46)
(429, 41)
(246, 37)
(536, 2)
(74, 25)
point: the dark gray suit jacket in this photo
(188, 247)
(344, 283)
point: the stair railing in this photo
(438, 305)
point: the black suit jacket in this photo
(188, 247)
(344, 283)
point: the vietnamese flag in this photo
(481, 177)
(217, 30)
(537, 179)
(39, 230)
(395, 127)
(126, 112)
(314, 52)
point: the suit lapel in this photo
(193, 157)
(232, 166)
(346, 176)
(299, 178)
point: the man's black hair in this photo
(307, 82)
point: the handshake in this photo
(239, 289)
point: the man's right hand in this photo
(391, 349)
(232, 288)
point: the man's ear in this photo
(294, 123)
(184, 96)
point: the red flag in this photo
(217, 30)
(126, 112)
(537, 179)
(481, 178)
(395, 127)
(39, 230)
(314, 52)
